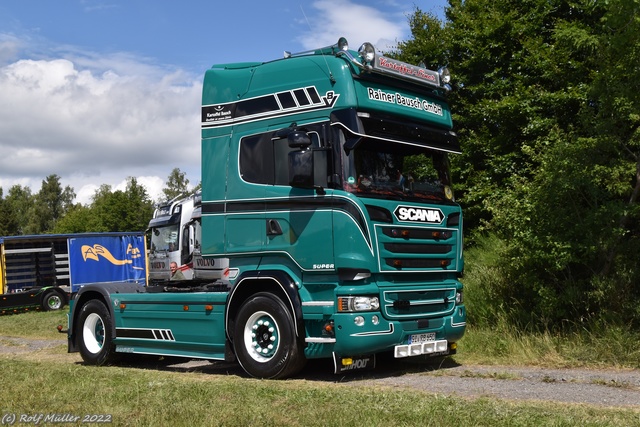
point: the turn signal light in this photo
(328, 328)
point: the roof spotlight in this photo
(343, 44)
(445, 75)
(367, 52)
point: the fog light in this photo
(375, 320)
(358, 320)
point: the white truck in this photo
(175, 236)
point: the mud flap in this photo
(343, 364)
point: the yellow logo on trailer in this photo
(96, 251)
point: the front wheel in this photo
(95, 337)
(264, 339)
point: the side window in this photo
(256, 159)
(264, 160)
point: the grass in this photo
(35, 324)
(139, 397)
(51, 381)
(611, 347)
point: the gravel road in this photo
(599, 387)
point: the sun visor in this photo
(361, 127)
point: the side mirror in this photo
(301, 169)
(299, 139)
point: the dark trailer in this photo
(41, 272)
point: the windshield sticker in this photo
(405, 101)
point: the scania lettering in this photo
(419, 214)
(327, 212)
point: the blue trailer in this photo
(41, 272)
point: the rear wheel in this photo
(95, 336)
(265, 341)
(52, 301)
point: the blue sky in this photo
(97, 91)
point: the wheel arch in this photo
(275, 282)
(102, 293)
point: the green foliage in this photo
(111, 211)
(52, 210)
(546, 102)
(9, 222)
(177, 185)
(51, 203)
(18, 203)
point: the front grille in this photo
(414, 303)
(405, 248)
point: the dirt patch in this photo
(14, 345)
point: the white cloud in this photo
(97, 122)
(9, 47)
(358, 23)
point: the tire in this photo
(264, 339)
(95, 337)
(52, 301)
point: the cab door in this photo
(298, 221)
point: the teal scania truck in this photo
(326, 188)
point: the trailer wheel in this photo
(52, 301)
(94, 334)
(265, 342)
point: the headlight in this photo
(358, 303)
(367, 52)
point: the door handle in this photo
(273, 228)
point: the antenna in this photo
(331, 78)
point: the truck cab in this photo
(329, 170)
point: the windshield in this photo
(164, 238)
(385, 169)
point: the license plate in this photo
(420, 338)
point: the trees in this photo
(9, 222)
(177, 185)
(50, 204)
(19, 201)
(547, 108)
(52, 210)
(111, 211)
